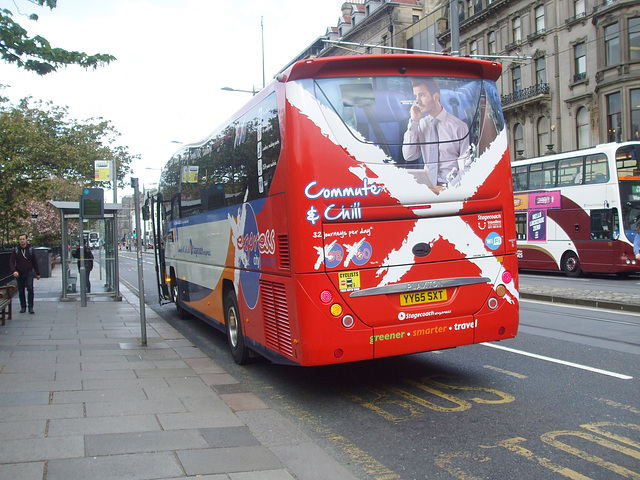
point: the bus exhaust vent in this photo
(276, 317)
(284, 256)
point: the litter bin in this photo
(43, 255)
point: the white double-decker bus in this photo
(578, 211)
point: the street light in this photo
(229, 89)
(34, 219)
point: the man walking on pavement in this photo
(23, 263)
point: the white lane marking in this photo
(561, 362)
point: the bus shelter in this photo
(101, 236)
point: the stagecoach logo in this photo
(192, 250)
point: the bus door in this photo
(605, 230)
(157, 215)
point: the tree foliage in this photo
(45, 155)
(36, 53)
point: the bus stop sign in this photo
(92, 203)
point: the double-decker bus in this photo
(310, 230)
(94, 240)
(578, 211)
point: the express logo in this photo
(250, 245)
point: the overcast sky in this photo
(174, 56)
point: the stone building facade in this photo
(571, 68)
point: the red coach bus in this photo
(358, 207)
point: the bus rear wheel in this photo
(239, 351)
(571, 264)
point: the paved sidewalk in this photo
(80, 398)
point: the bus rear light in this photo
(506, 276)
(326, 296)
(501, 331)
(492, 303)
(501, 290)
(338, 353)
(347, 321)
(336, 309)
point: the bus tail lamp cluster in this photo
(501, 290)
(336, 309)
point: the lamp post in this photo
(34, 219)
(229, 89)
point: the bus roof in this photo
(403, 64)
(601, 148)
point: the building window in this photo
(579, 9)
(634, 38)
(518, 139)
(516, 79)
(473, 47)
(543, 135)
(470, 8)
(539, 14)
(582, 128)
(491, 39)
(614, 127)
(580, 62)
(612, 45)
(541, 70)
(635, 114)
(517, 30)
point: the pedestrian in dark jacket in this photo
(88, 263)
(23, 263)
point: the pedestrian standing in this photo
(88, 264)
(23, 263)
(636, 243)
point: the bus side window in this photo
(519, 175)
(570, 171)
(536, 178)
(549, 171)
(175, 206)
(596, 168)
(521, 226)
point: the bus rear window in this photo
(378, 110)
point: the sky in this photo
(173, 59)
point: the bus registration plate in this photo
(429, 296)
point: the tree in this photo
(36, 53)
(45, 153)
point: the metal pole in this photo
(143, 320)
(454, 21)
(262, 29)
(114, 172)
(82, 271)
